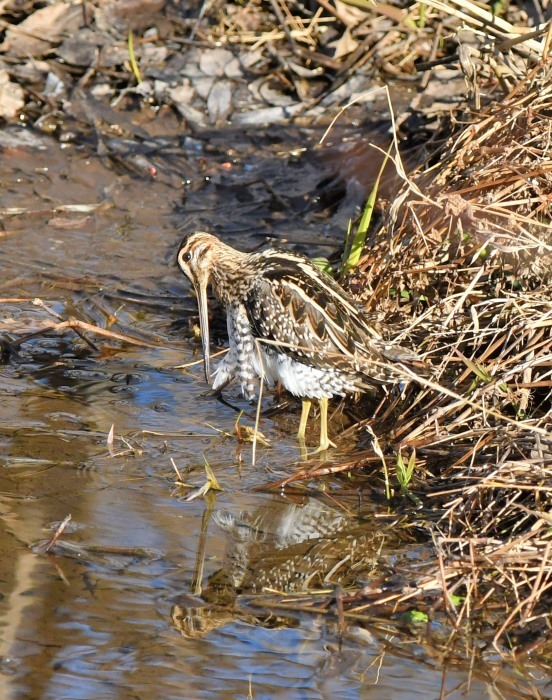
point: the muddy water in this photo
(138, 599)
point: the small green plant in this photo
(132, 58)
(422, 16)
(353, 249)
(324, 264)
(483, 376)
(405, 470)
(414, 617)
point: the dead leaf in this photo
(12, 97)
(219, 102)
(352, 14)
(214, 61)
(344, 45)
(110, 437)
(39, 32)
(127, 14)
(68, 223)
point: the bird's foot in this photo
(323, 447)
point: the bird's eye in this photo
(187, 257)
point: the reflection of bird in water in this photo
(295, 547)
(283, 546)
(288, 321)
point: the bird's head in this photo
(195, 258)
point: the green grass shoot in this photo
(354, 251)
(405, 470)
(324, 264)
(422, 16)
(132, 58)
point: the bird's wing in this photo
(299, 310)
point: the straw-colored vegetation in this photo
(468, 244)
(462, 264)
(465, 256)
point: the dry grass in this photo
(312, 50)
(464, 258)
(463, 263)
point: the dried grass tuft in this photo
(464, 259)
(463, 264)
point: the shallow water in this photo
(138, 598)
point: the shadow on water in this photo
(146, 594)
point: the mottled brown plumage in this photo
(288, 321)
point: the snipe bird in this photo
(288, 321)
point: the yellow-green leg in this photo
(305, 410)
(325, 441)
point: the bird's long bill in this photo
(204, 327)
